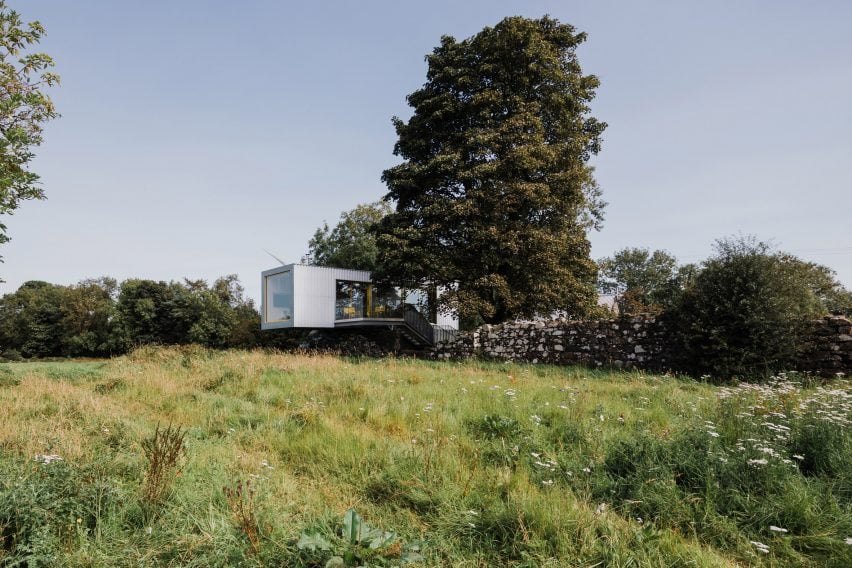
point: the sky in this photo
(196, 135)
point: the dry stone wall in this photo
(828, 351)
(640, 342)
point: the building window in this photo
(279, 297)
(351, 300)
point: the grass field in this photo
(445, 464)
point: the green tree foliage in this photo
(640, 280)
(46, 320)
(88, 310)
(747, 310)
(352, 242)
(99, 317)
(171, 313)
(24, 109)
(30, 320)
(823, 283)
(494, 197)
(245, 331)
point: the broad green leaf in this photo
(378, 538)
(353, 527)
(312, 541)
(411, 557)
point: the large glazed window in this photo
(358, 300)
(351, 300)
(279, 297)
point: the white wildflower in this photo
(47, 458)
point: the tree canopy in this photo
(494, 196)
(99, 317)
(352, 242)
(24, 109)
(641, 281)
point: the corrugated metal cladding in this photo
(314, 292)
(444, 319)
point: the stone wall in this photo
(639, 342)
(829, 349)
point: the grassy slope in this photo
(407, 444)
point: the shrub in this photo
(745, 314)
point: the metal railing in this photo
(418, 323)
(443, 333)
(429, 332)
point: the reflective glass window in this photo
(279, 297)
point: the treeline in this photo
(101, 317)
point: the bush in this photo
(746, 312)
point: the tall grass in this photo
(477, 464)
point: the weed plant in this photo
(162, 450)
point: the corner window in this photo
(279, 297)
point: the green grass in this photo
(472, 464)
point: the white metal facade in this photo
(298, 295)
(313, 294)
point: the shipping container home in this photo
(317, 297)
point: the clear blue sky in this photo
(195, 134)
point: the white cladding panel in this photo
(315, 290)
(450, 321)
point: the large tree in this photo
(494, 196)
(24, 108)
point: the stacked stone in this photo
(463, 346)
(625, 343)
(829, 351)
(348, 344)
(639, 342)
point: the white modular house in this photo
(317, 297)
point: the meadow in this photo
(190, 457)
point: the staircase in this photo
(420, 332)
